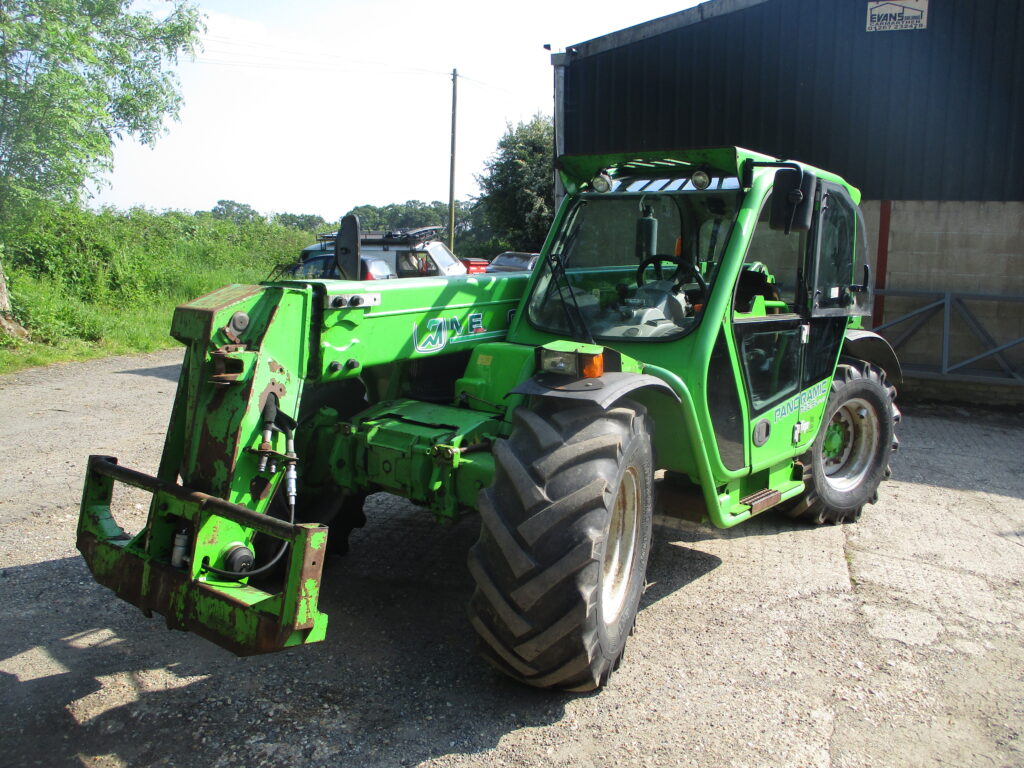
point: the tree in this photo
(474, 236)
(407, 215)
(517, 186)
(74, 76)
(238, 213)
(371, 217)
(8, 325)
(308, 222)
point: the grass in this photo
(88, 284)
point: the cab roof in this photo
(577, 170)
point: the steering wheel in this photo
(683, 268)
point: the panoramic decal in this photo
(807, 400)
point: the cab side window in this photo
(772, 265)
(834, 273)
(766, 326)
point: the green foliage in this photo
(308, 222)
(407, 215)
(77, 74)
(237, 213)
(516, 204)
(472, 234)
(86, 282)
(53, 315)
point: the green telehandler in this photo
(690, 339)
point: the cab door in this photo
(771, 331)
(839, 288)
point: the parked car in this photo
(385, 255)
(513, 261)
(322, 266)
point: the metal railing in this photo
(954, 310)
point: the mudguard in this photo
(603, 391)
(869, 346)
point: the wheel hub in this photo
(850, 442)
(620, 546)
(835, 441)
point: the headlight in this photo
(576, 364)
(553, 361)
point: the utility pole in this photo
(451, 175)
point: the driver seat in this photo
(753, 284)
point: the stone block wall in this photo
(972, 247)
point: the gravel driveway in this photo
(895, 641)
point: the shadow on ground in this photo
(949, 446)
(675, 560)
(165, 372)
(397, 681)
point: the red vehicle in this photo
(475, 266)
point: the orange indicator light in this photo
(592, 366)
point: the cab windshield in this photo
(637, 263)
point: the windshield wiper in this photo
(577, 322)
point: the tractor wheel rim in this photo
(620, 547)
(857, 423)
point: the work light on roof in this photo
(601, 183)
(700, 180)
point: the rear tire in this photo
(347, 518)
(850, 456)
(564, 540)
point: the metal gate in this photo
(997, 363)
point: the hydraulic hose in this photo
(237, 575)
(271, 417)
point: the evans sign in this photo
(897, 15)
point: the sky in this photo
(316, 106)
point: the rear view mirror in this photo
(346, 248)
(646, 234)
(792, 200)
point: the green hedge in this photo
(88, 283)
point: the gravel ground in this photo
(895, 641)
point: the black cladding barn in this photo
(919, 103)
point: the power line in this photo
(304, 60)
(289, 54)
(227, 56)
(295, 66)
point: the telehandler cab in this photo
(691, 337)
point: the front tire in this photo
(564, 540)
(850, 456)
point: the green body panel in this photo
(404, 386)
(493, 372)
(415, 318)
(435, 455)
